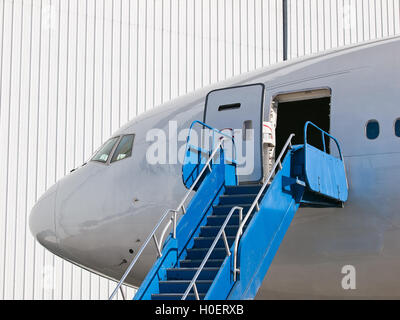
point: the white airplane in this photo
(98, 216)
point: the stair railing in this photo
(173, 220)
(215, 132)
(203, 263)
(323, 135)
(255, 204)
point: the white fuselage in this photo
(96, 214)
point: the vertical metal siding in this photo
(318, 25)
(74, 71)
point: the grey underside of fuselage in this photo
(98, 233)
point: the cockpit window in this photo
(105, 150)
(124, 149)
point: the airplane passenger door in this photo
(240, 110)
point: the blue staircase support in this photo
(233, 267)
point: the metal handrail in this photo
(255, 203)
(228, 252)
(214, 130)
(144, 245)
(181, 205)
(173, 220)
(323, 133)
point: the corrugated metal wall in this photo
(318, 25)
(74, 71)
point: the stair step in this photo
(218, 220)
(211, 263)
(200, 253)
(206, 242)
(243, 189)
(212, 231)
(188, 273)
(175, 296)
(225, 209)
(180, 286)
(237, 198)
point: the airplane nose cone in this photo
(42, 219)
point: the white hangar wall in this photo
(74, 71)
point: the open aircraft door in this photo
(240, 110)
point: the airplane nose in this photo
(42, 219)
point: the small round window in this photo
(397, 127)
(372, 129)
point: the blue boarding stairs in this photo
(228, 235)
